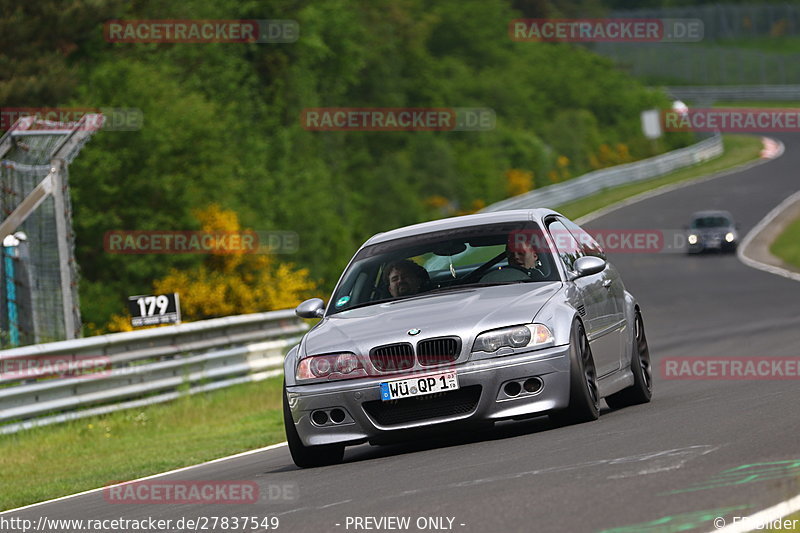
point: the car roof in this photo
(712, 213)
(463, 221)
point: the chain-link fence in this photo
(38, 272)
(734, 62)
(728, 21)
(697, 64)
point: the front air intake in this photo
(438, 351)
(392, 357)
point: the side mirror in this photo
(313, 308)
(588, 265)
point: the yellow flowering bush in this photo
(230, 283)
(518, 181)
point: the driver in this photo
(523, 255)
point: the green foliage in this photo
(40, 44)
(222, 124)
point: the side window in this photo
(587, 243)
(566, 245)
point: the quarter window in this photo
(588, 245)
(566, 245)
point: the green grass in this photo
(739, 149)
(787, 245)
(752, 103)
(62, 459)
(787, 45)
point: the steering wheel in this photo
(483, 269)
(507, 273)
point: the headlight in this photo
(330, 366)
(692, 239)
(729, 236)
(535, 335)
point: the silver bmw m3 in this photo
(471, 319)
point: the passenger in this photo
(405, 278)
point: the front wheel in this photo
(308, 456)
(642, 389)
(584, 401)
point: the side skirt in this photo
(615, 382)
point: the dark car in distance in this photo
(712, 230)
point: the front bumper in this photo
(717, 245)
(482, 380)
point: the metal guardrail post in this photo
(63, 224)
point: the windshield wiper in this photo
(473, 285)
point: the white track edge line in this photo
(753, 233)
(90, 491)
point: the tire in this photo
(642, 389)
(308, 456)
(584, 401)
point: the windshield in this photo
(442, 261)
(711, 222)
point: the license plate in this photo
(418, 386)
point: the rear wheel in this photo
(642, 389)
(584, 401)
(308, 456)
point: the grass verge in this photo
(787, 245)
(53, 461)
(753, 104)
(739, 149)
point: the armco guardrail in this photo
(141, 367)
(736, 93)
(594, 182)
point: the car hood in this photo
(711, 232)
(464, 313)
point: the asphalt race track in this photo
(701, 449)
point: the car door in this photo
(598, 306)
